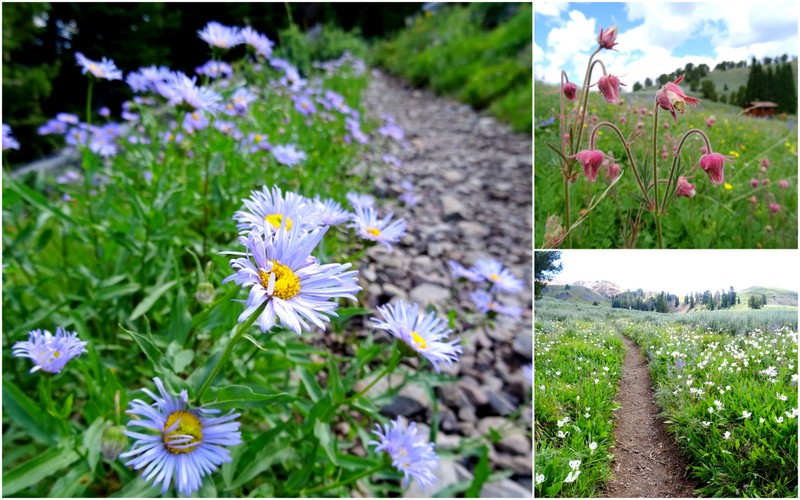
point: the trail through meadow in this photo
(647, 463)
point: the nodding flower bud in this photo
(684, 188)
(590, 160)
(713, 164)
(554, 233)
(205, 293)
(609, 87)
(672, 98)
(570, 91)
(607, 39)
(113, 441)
(774, 208)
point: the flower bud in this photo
(607, 39)
(684, 188)
(113, 441)
(570, 91)
(591, 160)
(609, 87)
(205, 293)
(714, 164)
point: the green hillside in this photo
(775, 296)
(575, 293)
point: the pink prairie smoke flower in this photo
(713, 164)
(710, 121)
(765, 162)
(570, 91)
(754, 183)
(609, 87)
(613, 171)
(672, 98)
(684, 188)
(607, 39)
(753, 200)
(783, 184)
(774, 208)
(591, 161)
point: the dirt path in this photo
(647, 461)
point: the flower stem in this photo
(567, 213)
(237, 335)
(89, 101)
(349, 480)
(396, 357)
(655, 179)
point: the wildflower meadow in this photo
(729, 398)
(658, 169)
(184, 314)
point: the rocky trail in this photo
(647, 463)
(472, 181)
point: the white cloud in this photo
(646, 50)
(550, 9)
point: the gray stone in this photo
(523, 345)
(447, 441)
(428, 293)
(505, 488)
(452, 208)
(520, 465)
(501, 403)
(402, 406)
(473, 230)
(516, 443)
(500, 424)
(474, 391)
(394, 291)
(447, 473)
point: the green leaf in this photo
(323, 433)
(147, 345)
(335, 381)
(151, 299)
(36, 199)
(482, 473)
(346, 313)
(181, 321)
(91, 441)
(107, 294)
(310, 383)
(138, 488)
(26, 413)
(242, 396)
(182, 359)
(37, 469)
(70, 485)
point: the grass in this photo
(733, 215)
(451, 53)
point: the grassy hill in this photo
(775, 296)
(575, 293)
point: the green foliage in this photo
(320, 44)
(481, 54)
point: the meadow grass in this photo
(731, 215)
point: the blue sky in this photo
(683, 271)
(658, 37)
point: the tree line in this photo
(665, 302)
(771, 79)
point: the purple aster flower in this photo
(68, 177)
(180, 90)
(353, 125)
(229, 129)
(501, 278)
(215, 69)
(68, 118)
(104, 112)
(288, 155)
(179, 442)
(8, 140)
(53, 126)
(257, 142)
(527, 372)
(411, 454)
(331, 213)
(105, 69)
(240, 100)
(485, 303)
(76, 136)
(360, 200)
(422, 333)
(459, 271)
(221, 36)
(281, 273)
(393, 160)
(304, 105)
(259, 42)
(391, 130)
(291, 79)
(369, 227)
(154, 76)
(196, 120)
(267, 210)
(50, 353)
(138, 82)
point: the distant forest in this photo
(665, 302)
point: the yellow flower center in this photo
(56, 354)
(494, 277)
(276, 219)
(304, 105)
(286, 284)
(258, 138)
(195, 115)
(374, 231)
(419, 341)
(189, 425)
